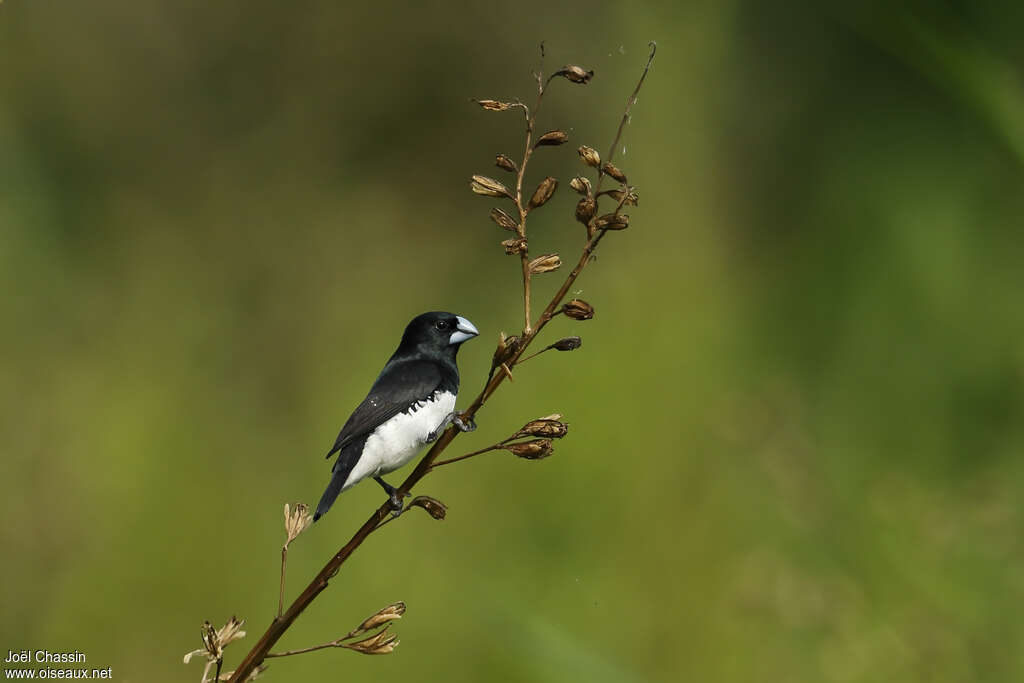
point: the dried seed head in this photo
(580, 185)
(296, 520)
(585, 210)
(503, 162)
(543, 192)
(552, 138)
(381, 643)
(531, 450)
(574, 73)
(433, 506)
(545, 263)
(507, 346)
(488, 187)
(550, 427)
(613, 170)
(494, 105)
(388, 614)
(567, 344)
(504, 220)
(612, 221)
(514, 246)
(215, 640)
(578, 309)
(590, 156)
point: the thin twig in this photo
(463, 457)
(280, 595)
(625, 114)
(289, 653)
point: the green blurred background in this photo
(797, 419)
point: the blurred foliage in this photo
(797, 418)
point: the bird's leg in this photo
(454, 417)
(396, 501)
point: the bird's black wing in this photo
(401, 384)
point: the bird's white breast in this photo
(397, 440)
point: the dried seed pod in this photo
(552, 138)
(627, 198)
(612, 221)
(296, 520)
(507, 347)
(576, 74)
(494, 105)
(580, 185)
(548, 427)
(578, 309)
(531, 450)
(389, 613)
(488, 187)
(514, 246)
(545, 264)
(613, 170)
(585, 209)
(543, 192)
(433, 506)
(380, 643)
(590, 156)
(567, 344)
(504, 162)
(504, 220)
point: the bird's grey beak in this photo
(464, 330)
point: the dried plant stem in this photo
(284, 565)
(304, 650)
(467, 455)
(625, 114)
(280, 624)
(524, 257)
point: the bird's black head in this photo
(437, 333)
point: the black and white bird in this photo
(410, 404)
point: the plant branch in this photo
(280, 624)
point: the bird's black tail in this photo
(327, 500)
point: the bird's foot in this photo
(396, 504)
(463, 422)
(394, 499)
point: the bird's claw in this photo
(464, 423)
(396, 504)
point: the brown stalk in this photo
(280, 624)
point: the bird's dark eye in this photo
(441, 324)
